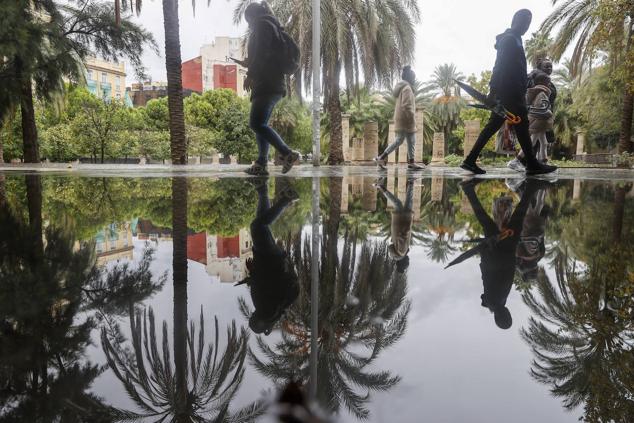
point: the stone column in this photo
(391, 137)
(438, 150)
(420, 138)
(465, 205)
(194, 160)
(370, 140)
(142, 161)
(357, 149)
(418, 192)
(368, 201)
(215, 158)
(345, 135)
(581, 142)
(356, 183)
(233, 159)
(471, 132)
(392, 172)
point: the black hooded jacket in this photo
(266, 77)
(509, 79)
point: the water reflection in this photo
(83, 297)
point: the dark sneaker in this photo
(257, 169)
(473, 168)
(287, 192)
(381, 163)
(413, 166)
(540, 169)
(289, 161)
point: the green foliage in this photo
(448, 103)
(292, 120)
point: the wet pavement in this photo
(197, 294)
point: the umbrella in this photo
(486, 103)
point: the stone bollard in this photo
(345, 135)
(194, 160)
(581, 141)
(391, 137)
(356, 184)
(357, 150)
(438, 150)
(215, 158)
(167, 161)
(370, 141)
(576, 189)
(420, 135)
(233, 160)
(142, 161)
(471, 132)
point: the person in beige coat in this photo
(404, 120)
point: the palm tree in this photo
(361, 303)
(538, 47)
(440, 226)
(371, 39)
(593, 25)
(49, 50)
(448, 103)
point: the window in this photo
(89, 74)
(118, 82)
(104, 77)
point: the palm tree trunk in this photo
(179, 269)
(619, 211)
(178, 143)
(625, 137)
(335, 155)
(29, 130)
(34, 205)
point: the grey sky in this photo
(458, 31)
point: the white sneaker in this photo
(515, 165)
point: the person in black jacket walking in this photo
(265, 81)
(508, 86)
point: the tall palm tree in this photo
(370, 40)
(448, 103)
(538, 47)
(592, 25)
(440, 226)
(361, 303)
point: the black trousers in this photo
(495, 123)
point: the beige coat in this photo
(540, 115)
(405, 110)
(402, 231)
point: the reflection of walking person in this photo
(508, 86)
(402, 219)
(497, 251)
(404, 120)
(272, 279)
(265, 80)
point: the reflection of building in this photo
(114, 243)
(197, 247)
(214, 69)
(227, 256)
(140, 94)
(105, 79)
(145, 230)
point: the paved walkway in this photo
(302, 171)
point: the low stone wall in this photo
(601, 158)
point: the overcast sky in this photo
(451, 31)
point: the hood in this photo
(399, 87)
(531, 93)
(508, 33)
(269, 19)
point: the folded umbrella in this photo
(486, 103)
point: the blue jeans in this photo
(261, 109)
(400, 137)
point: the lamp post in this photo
(316, 80)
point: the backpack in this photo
(287, 52)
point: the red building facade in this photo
(193, 74)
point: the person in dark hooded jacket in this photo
(271, 278)
(265, 80)
(498, 251)
(508, 86)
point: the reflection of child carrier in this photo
(531, 247)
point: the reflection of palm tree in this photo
(198, 387)
(440, 227)
(583, 351)
(359, 305)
